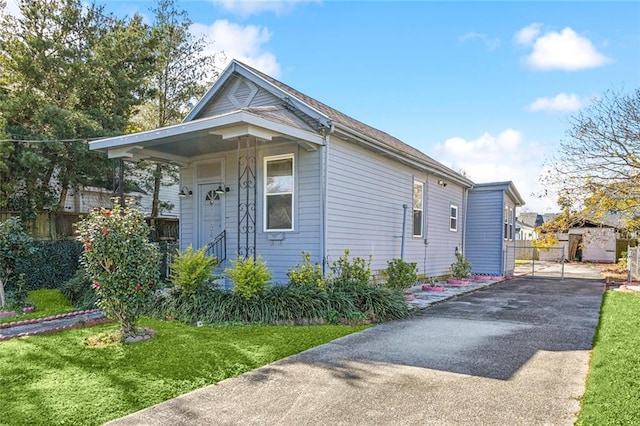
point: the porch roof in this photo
(181, 142)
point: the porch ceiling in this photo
(182, 142)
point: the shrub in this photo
(345, 272)
(191, 270)
(377, 303)
(79, 292)
(306, 274)
(461, 268)
(121, 262)
(401, 274)
(51, 264)
(249, 277)
(14, 244)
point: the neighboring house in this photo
(587, 241)
(526, 224)
(86, 199)
(491, 217)
(269, 171)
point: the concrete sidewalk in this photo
(514, 353)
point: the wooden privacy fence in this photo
(52, 226)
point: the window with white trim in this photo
(418, 207)
(453, 218)
(511, 224)
(278, 193)
(506, 222)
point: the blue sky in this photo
(484, 87)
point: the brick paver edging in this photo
(53, 317)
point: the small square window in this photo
(453, 218)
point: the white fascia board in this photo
(297, 103)
(222, 79)
(260, 82)
(215, 124)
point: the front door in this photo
(210, 213)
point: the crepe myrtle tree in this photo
(15, 243)
(121, 261)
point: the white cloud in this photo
(490, 43)
(507, 156)
(11, 8)
(253, 7)
(562, 102)
(245, 43)
(564, 50)
(527, 34)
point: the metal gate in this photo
(533, 262)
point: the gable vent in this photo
(242, 93)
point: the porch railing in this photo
(218, 247)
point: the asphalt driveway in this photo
(515, 353)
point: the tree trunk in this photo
(3, 302)
(63, 198)
(157, 181)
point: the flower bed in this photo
(457, 282)
(432, 288)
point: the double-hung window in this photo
(506, 222)
(278, 193)
(453, 218)
(418, 207)
(511, 227)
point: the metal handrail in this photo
(218, 247)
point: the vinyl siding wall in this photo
(484, 243)
(365, 196)
(281, 250)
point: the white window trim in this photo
(505, 224)
(293, 191)
(511, 227)
(421, 209)
(455, 207)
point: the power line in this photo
(50, 140)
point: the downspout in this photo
(464, 225)
(324, 160)
(404, 229)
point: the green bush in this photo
(306, 274)
(79, 292)
(191, 270)
(15, 243)
(249, 277)
(345, 272)
(401, 274)
(51, 264)
(461, 268)
(121, 262)
(285, 304)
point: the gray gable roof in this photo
(330, 117)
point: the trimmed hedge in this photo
(51, 265)
(284, 305)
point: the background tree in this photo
(597, 169)
(182, 73)
(68, 72)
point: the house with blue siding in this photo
(268, 171)
(491, 230)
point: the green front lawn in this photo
(56, 378)
(46, 301)
(612, 396)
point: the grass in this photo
(57, 379)
(613, 384)
(47, 302)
